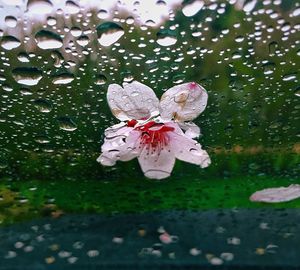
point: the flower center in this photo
(154, 135)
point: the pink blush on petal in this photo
(192, 85)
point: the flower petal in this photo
(122, 147)
(117, 130)
(190, 128)
(183, 102)
(274, 195)
(188, 150)
(157, 164)
(134, 101)
(107, 159)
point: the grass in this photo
(24, 200)
(43, 184)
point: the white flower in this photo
(151, 130)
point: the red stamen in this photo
(131, 123)
(154, 135)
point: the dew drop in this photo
(26, 92)
(193, 8)
(102, 14)
(83, 41)
(23, 57)
(108, 33)
(100, 79)
(27, 75)
(66, 123)
(297, 92)
(249, 5)
(42, 139)
(268, 68)
(48, 40)
(11, 21)
(72, 8)
(63, 78)
(43, 105)
(39, 6)
(76, 31)
(166, 38)
(289, 77)
(10, 42)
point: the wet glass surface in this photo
(58, 59)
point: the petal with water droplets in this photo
(157, 164)
(121, 145)
(134, 101)
(183, 102)
(188, 150)
(190, 128)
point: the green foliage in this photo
(133, 195)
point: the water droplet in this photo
(27, 75)
(66, 123)
(83, 40)
(26, 92)
(48, 40)
(10, 42)
(58, 58)
(289, 77)
(63, 78)
(239, 39)
(100, 79)
(102, 14)
(39, 6)
(42, 139)
(130, 20)
(296, 12)
(166, 37)
(297, 91)
(285, 27)
(43, 105)
(72, 7)
(3, 164)
(249, 5)
(268, 68)
(11, 21)
(7, 88)
(273, 47)
(192, 8)
(23, 57)
(76, 31)
(108, 33)
(51, 21)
